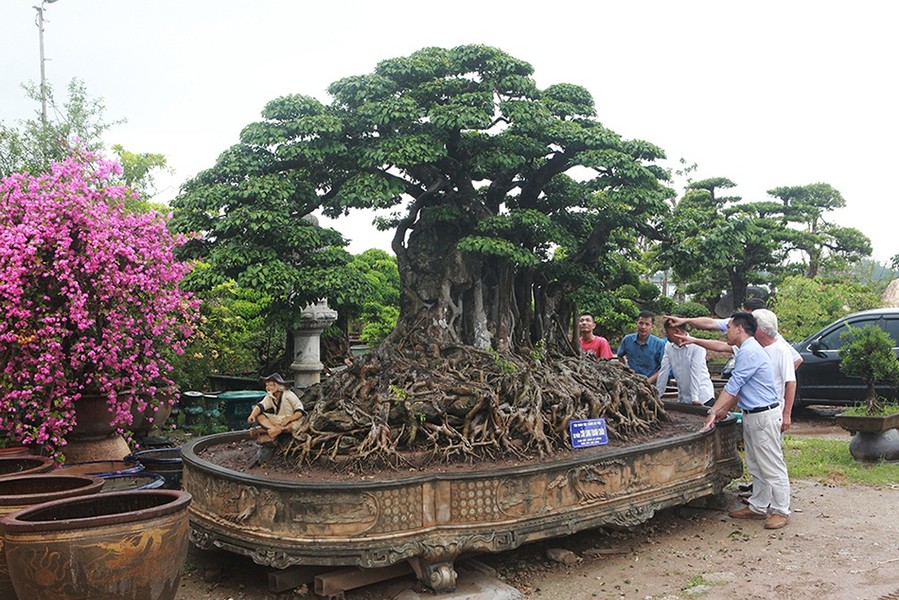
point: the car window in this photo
(892, 328)
(833, 340)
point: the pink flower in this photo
(89, 300)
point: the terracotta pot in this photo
(133, 481)
(24, 465)
(27, 490)
(93, 437)
(23, 491)
(15, 451)
(124, 545)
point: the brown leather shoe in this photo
(747, 513)
(776, 521)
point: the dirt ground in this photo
(842, 543)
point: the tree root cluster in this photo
(461, 403)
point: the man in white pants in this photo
(753, 382)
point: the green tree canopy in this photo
(475, 159)
(506, 198)
(823, 243)
(720, 243)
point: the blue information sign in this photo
(588, 432)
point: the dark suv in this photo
(820, 380)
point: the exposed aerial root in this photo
(464, 404)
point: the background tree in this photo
(492, 235)
(377, 314)
(233, 337)
(823, 243)
(31, 145)
(804, 305)
(719, 243)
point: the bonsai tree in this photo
(508, 199)
(868, 354)
(89, 300)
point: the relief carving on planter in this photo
(398, 509)
(474, 501)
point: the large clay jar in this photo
(123, 545)
(15, 450)
(93, 438)
(24, 465)
(23, 491)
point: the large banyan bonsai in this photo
(509, 200)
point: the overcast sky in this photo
(765, 93)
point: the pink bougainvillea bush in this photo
(89, 301)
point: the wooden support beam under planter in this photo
(342, 580)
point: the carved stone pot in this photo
(23, 491)
(429, 519)
(873, 438)
(124, 545)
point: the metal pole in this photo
(40, 28)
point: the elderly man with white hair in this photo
(781, 354)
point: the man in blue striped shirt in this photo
(752, 387)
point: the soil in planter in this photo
(240, 456)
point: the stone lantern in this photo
(307, 365)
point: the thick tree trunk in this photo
(480, 365)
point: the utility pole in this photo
(40, 28)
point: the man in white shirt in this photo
(781, 354)
(690, 368)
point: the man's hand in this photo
(682, 339)
(786, 422)
(710, 420)
(677, 321)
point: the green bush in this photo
(691, 310)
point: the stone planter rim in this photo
(868, 423)
(170, 501)
(190, 454)
(90, 485)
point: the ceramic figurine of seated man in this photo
(280, 411)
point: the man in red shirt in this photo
(593, 344)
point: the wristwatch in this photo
(711, 412)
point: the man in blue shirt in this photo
(642, 351)
(752, 387)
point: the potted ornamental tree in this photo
(869, 355)
(90, 306)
